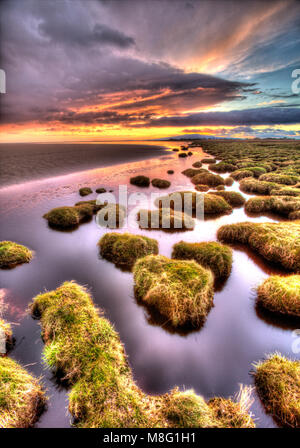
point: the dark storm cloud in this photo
(65, 58)
(262, 116)
(100, 34)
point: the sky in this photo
(90, 70)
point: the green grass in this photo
(281, 205)
(160, 183)
(84, 348)
(70, 217)
(181, 291)
(279, 178)
(190, 172)
(210, 255)
(210, 179)
(165, 219)
(276, 242)
(209, 204)
(215, 204)
(233, 198)
(277, 380)
(84, 191)
(21, 396)
(124, 249)
(140, 181)
(241, 174)
(12, 254)
(280, 295)
(96, 207)
(257, 186)
(222, 167)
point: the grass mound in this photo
(170, 171)
(281, 295)
(100, 190)
(286, 191)
(241, 174)
(21, 396)
(257, 186)
(70, 217)
(222, 167)
(140, 181)
(229, 181)
(202, 188)
(192, 202)
(84, 191)
(211, 255)
(279, 178)
(233, 198)
(215, 205)
(276, 242)
(190, 172)
(212, 180)
(160, 183)
(181, 291)
(85, 349)
(208, 160)
(182, 154)
(96, 207)
(12, 254)
(277, 380)
(281, 205)
(165, 219)
(124, 249)
(197, 164)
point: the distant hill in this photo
(196, 137)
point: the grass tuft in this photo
(276, 242)
(12, 254)
(277, 380)
(85, 349)
(124, 249)
(211, 255)
(21, 396)
(181, 291)
(280, 295)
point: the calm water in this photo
(22, 162)
(213, 360)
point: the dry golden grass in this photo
(280, 295)
(277, 242)
(277, 380)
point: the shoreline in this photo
(59, 160)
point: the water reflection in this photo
(213, 361)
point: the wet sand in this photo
(213, 361)
(21, 162)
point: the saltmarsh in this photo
(84, 348)
(277, 242)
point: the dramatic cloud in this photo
(262, 116)
(154, 64)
